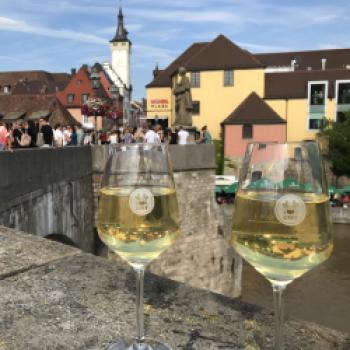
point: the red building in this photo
(89, 85)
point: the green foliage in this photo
(219, 156)
(221, 161)
(338, 135)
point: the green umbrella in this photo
(231, 188)
(331, 189)
(291, 184)
(260, 184)
(345, 189)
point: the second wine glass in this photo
(281, 222)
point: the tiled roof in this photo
(336, 58)
(253, 110)
(222, 53)
(294, 84)
(163, 79)
(32, 81)
(31, 104)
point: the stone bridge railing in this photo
(48, 192)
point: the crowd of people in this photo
(26, 134)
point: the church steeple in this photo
(121, 34)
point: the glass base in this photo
(134, 345)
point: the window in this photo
(343, 99)
(247, 131)
(195, 79)
(317, 92)
(7, 89)
(196, 107)
(86, 119)
(79, 82)
(70, 98)
(228, 78)
(84, 98)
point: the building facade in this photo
(300, 88)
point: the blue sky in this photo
(56, 35)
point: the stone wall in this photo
(201, 256)
(48, 192)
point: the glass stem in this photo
(139, 305)
(279, 314)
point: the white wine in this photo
(282, 235)
(138, 223)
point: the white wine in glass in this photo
(138, 217)
(281, 223)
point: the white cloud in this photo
(9, 24)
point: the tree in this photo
(338, 136)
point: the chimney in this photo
(73, 71)
(323, 63)
(155, 70)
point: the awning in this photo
(159, 117)
(39, 114)
(12, 116)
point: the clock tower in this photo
(121, 50)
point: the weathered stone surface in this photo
(48, 191)
(20, 252)
(79, 301)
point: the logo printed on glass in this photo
(290, 210)
(141, 201)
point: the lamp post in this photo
(115, 97)
(95, 81)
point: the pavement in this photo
(55, 297)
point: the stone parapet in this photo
(65, 299)
(48, 192)
(27, 170)
(184, 157)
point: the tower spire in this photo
(121, 33)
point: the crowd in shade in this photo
(26, 134)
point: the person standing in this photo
(205, 136)
(182, 136)
(73, 137)
(80, 135)
(58, 136)
(47, 132)
(67, 135)
(3, 134)
(151, 136)
(32, 131)
(128, 137)
(139, 135)
(16, 134)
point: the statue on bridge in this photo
(183, 100)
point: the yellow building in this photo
(301, 87)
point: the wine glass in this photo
(138, 217)
(281, 221)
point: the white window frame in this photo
(337, 82)
(309, 84)
(231, 76)
(198, 75)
